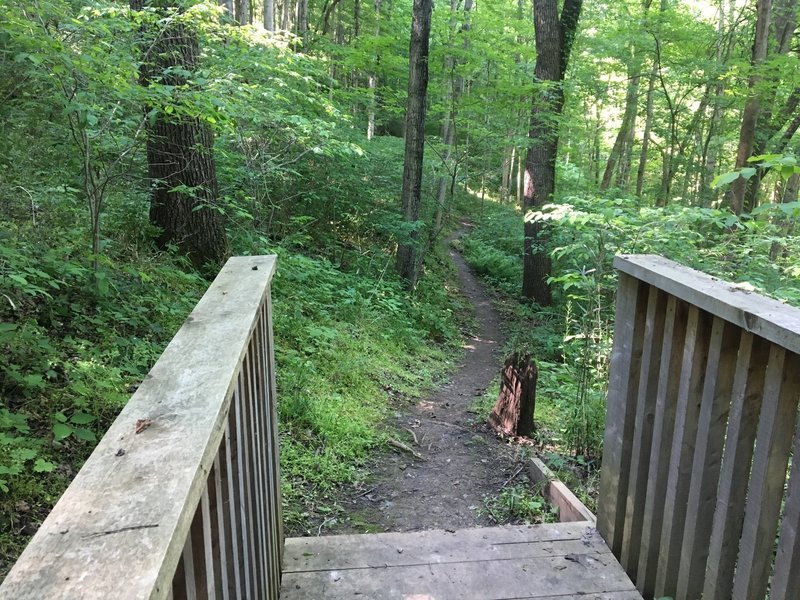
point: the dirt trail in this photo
(463, 463)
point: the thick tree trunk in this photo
(243, 11)
(513, 412)
(184, 203)
(554, 38)
(408, 251)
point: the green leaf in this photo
(725, 179)
(747, 172)
(43, 466)
(60, 417)
(61, 431)
(6, 327)
(84, 434)
(82, 418)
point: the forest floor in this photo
(459, 461)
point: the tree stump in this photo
(512, 415)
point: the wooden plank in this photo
(693, 371)
(271, 452)
(348, 551)
(713, 418)
(125, 544)
(436, 546)
(623, 384)
(666, 398)
(786, 578)
(570, 508)
(276, 503)
(245, 490)
(768, 476)
(643, 430)
(236, 571)
(487, 580)
(211, 562)
(726, 528)
(768, 318)
(221, 529)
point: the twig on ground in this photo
(414, 435)
(512, 477)
(369, 491)
(321, 525)
(404, 447)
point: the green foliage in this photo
(522, 503)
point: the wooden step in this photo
(547, 562)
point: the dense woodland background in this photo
(286, 120)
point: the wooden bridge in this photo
(699, 496)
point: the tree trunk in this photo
(619, 159)
(408, 251)
(184, 203)
(269, 15)
(512, 414)
(554, 38)
(243, 11)
(747, 132)
(455, 86)
(372, 81)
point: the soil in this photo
(463, 461)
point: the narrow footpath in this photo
(461, 462)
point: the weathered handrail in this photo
(702, 410)
(181, 498)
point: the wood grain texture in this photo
(570, 508)
(773, 320)
(713, 418)
(663, 423)
(567, 560)
(768, 476)
(737, 457)
(119, 529)
(626, 356)
(643, 429)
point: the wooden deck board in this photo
(562, 560)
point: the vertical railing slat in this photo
(736, 460)
(643, 429)
(693, 371)
(773, 441)
(623, 384)
(239, 562)
(245, 499)
(786, 579)
(221, 527)
(274, 461)
(663, 422)
(714, 409)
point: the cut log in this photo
(513, 413)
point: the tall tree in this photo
(408, 251)
(747, 132)
(554, 38)
(184, 195)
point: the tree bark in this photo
(619, 159)
(372, 81)
(554, 38)
(269, 15)
(242, 11)
(747, 132)
(184, 196)
(408, 251)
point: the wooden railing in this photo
(181, 498)
(697, 495)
